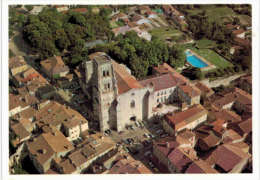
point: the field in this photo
(168, 33)
(214, 13)
(205, 43)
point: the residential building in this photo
(205, 90)
(228, 159)
(44, 148)
(200, 167)
(17, 64)
(54, 67)
(188, 119)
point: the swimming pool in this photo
(194, 60)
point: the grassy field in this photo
(214, 13)
(205, 43)
(212, 57)
(168, 33)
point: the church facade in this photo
(119, 99)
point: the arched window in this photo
(132, 105)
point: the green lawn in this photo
(212, 57)
(214, 13)
(166, 32)
(205, 43)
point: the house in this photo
(44, 148)
(151, 14)
(80, 10)
(239, 33)
(37, 9)
(61, 8)
(186, 138)
(20, 133)
(243, 128)
(228, 159)
(242, 42)
(144, 9)
(207, 139)
(235, 49)
(69, 121)
(17, 64)
(162, 148)
(188, 119)
(119, 16)
(121, 30)
(128, 165)
(244, 83)
(90, 150)
(237, 100)
(141, 33)
(232, 136)
(205, 90)
(54, 67)
(200, 167)
(17, 104)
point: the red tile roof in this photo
(160, 82)
(125, 81)
(181, 119)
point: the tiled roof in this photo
(203, 88)
(54, 65)
(162, 143)
(125, 81)
(160, 82)
(200, 166)
(16, 61)
(246, 126)
(179, 159)
(191, 91)
(181, 119)
(20, 130)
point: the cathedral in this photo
(119, 99)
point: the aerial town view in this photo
(130, 89)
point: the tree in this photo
(28, 7)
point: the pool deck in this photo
(210, 65)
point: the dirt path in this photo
(18, 46)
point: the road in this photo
(218, 82)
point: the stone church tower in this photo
(100, 79)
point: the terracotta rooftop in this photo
(228, 116)
(246, 126)
(242, 42)
(160, 82)
(179, 159)
(46, 145)
(181, 119)
(125, 81)
(166, 145)
(54, 65)
(191, 91)
(128, 165)
(227, 157)
(239, 31)
(203, 88)
(200, 166)
(15, 101)
(80, 10)
(20, 130)
(16, 61)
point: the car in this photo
(120, 132)
(146, 135)
(147, 153)
(159, 131)
(164, 135)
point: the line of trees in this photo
(141, 55)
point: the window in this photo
(107, 73)
(132, 104)
(108, 86)
(104, 73)
(157, 100)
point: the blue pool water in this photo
(194, 60)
